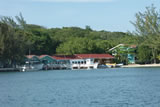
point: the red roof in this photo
(64, 57)
(30, 56)
(94, 56)
(82, 56)
(133, 46)
(41, 56)
(76, 56)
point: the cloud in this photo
(75, 1)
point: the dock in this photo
(10, 70)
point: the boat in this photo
(114, 65)
(83, 64)
(32, 66)
(102, 66)
(119, 65)
(111, 65)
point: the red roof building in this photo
(30, 56)
(41, 56)
(98, 56)
(77, 61)
(82, 56)
(76, 56)
(64, 57)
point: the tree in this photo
(102, 46)
(147, 25)
(21, 23)
(143, 54)
(77, 46)
(12, 44)
(42, 41)
(9, 21)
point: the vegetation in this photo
(144, 54)
(147, 26)
(13, 43)
(17, 39)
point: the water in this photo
(119, 87)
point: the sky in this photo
(109, 15)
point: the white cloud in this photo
(74, 1)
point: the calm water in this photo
(129, 87)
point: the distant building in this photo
(32, 58)
(77, 61)
(125, 50)
(84, 61)
(46, 59)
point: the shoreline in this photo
(140, 65)
(10, 70)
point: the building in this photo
(63, 61)
(46, 59)
(90, 61)
(83, 61)
(77, 61)
(125, 51)
(32, 59)
(32, 62)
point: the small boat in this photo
(32, 66)
(102, 66)
(111, 65)
(119, 65)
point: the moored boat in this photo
(32, 66)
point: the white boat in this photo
(32, 66)
(119, 65)
(83, 64)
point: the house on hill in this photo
(125, 52)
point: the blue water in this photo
(117, 87)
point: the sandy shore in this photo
(138, 65)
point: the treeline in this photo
(17, 38)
